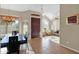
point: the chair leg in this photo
(18, 52)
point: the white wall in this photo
(69, 33)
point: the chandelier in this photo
(7, 18)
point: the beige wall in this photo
(69, 33)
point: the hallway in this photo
(46, 46)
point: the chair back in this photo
(13, 45)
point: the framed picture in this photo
(72, 20)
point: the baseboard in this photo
(70, 48)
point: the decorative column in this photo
(29, 26)
(41, 34)
(6, 27)
(20, 26)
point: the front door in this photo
(35, 27)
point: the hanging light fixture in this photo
(7, 18)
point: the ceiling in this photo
(52, 9)
(21, 7)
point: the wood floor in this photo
(45, 46)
